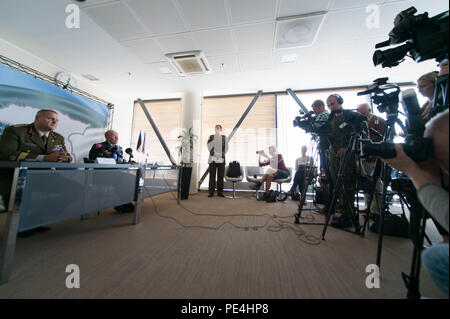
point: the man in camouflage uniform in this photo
(36, 141)
(341, 126)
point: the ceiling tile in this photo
(223, 64)
(146, 50)
(295, 7)
(159, 16)
(341, 26)
(254, 38)
(90, 3)
(345, 4)
(203, 14)
(215, 42)
(255, 61)
(117, 20)
(252, 10)
(177, 43)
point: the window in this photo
(166, 115)
(290, 139)
(256, 132)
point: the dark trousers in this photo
(220, 167)
(298, 180)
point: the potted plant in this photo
(185, 150)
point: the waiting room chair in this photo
(234, 180)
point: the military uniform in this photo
(341, 128)
(105, 150)
(23, 142)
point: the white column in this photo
(191, 116)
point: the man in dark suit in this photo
(108, 148)
(217, 147)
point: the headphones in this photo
(339, 98)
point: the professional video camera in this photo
(310, 124)
(416, 146)
(426, 38)
(384, 95)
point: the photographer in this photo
(276, 170)
(433, 196)
(375, 124)
(318, 108)
(342, 124)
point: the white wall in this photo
(123, 106)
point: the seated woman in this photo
(300, 166)
(276, 170)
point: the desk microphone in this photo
(129, 151)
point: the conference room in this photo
(224, 149)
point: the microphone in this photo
(129, 151)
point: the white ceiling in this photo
(122, 37)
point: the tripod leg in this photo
(412, 280)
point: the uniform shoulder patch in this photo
(98, 146)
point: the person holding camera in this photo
(319, 110)
(276, 170)
(427, 179)
(342, 123)
(376, 131)
(217, 147)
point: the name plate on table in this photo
(104, 160)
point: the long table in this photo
(45, 193)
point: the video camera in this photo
(384, 95)
(310, 123)
(416, 146)
(426, 38)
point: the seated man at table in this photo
(37, 141)
(110, 149)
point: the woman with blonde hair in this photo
(276, 170)
(425, 85)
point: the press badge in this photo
(343, 125)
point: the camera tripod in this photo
(308, 179)
(339, 186)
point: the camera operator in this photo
(375, 124)
(341, 124)
(276, 170)
(433, 196)
(318, 108)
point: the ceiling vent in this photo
(298, 31)
(189, 62)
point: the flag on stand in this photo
(139, 143)
(143, 145)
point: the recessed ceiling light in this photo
(165, 70)
(297, 31)
(289, 58)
